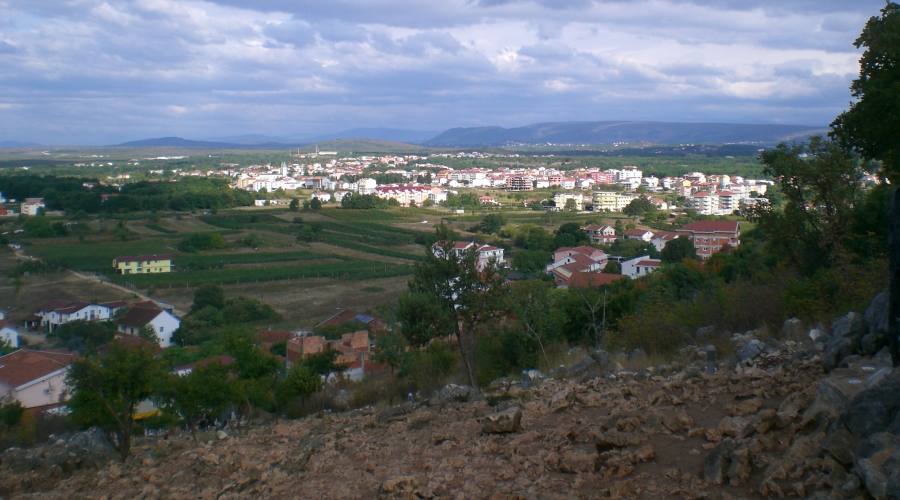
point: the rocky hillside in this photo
(768, 422)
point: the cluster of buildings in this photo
(583, 266)
(29, 206)
(426, 180)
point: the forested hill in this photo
(607, 132)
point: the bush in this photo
(202, 241)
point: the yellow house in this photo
(143, 264)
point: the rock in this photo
(637, 356)
(715, 466)
(451, 393)
(400, 485)
(677, 421)
(506, 421)
(221, 435)
(850, 325)
(561, 399)
(878, 462)
(751, 350)
(739, 467)
(791, 407)
(836, 350)
(614, 439)
(792, 328)
(876, 315)
(745, 407)
(840, 444)
(573, 460)
(738, 427)
(531, 377)
(834, 394)
(876, 409)
(394, 413)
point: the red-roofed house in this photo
(35, 378)
(57, 313)
(591, 280)
(662, 238)
(710, 236)
(600, 234)
(149, 315)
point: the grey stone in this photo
(878, 463)
(502, 422)
(836, 350)
(876, 315)
(751, 350)
(850, 325)
(715, 466)
(792, 328)
(874, 409)
(451, 393)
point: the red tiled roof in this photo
(712, 226)
(140, 314)
(650, 263)
(592, 280)
(25, 365)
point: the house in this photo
(640, 266)
(32, 206)
(373, 325)
(560, 200)
(644, 235)
(57, 313)
(484, 254)
(600, 234)
(662, 238)
(566, 255)
(352, 351)
(711, 236)
(35, 378)
(149, 315)
(141, 264)
(9, 335)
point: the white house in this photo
(484, 254)
(600, 234)
(640, 266)
(58, 313)
(149, 315)
(9, 335)
(32, 206)
(35, 378)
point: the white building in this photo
(32, 206)
(35, 378)
(148, 315)
(640, 266)
(610, 201)
(560, 200)
(366, 186)
(9, 335)
(484, 254)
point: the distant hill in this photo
(608, 132)
(18, 144)
(378, 134)
(342, 145)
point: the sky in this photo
(104, 72)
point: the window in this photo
(162, 329)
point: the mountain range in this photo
(608, 132)
(633, 133)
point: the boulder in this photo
(399, 486)
(715, 466)
(878, 463)
(792, 328)
(834, 394)
(451, 393)
(876, 315)
(506, 421)
(876, 409)
(836, 350)
(751, 350)
(850, 325)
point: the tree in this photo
(456, 296)
(199, 396)
(570, 235)
(294, 205)
(315, 204)
(870, 127)
(391, 351)
(106, 389)
(208, 295)
(571, 206)
(820, 183)
(300, 381)
(678, 250)
(85, 336)
(492, 223)
(531, 302)
(613, 267)
(638, 207)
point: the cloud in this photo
(225, 67)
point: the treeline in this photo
(73, 194)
